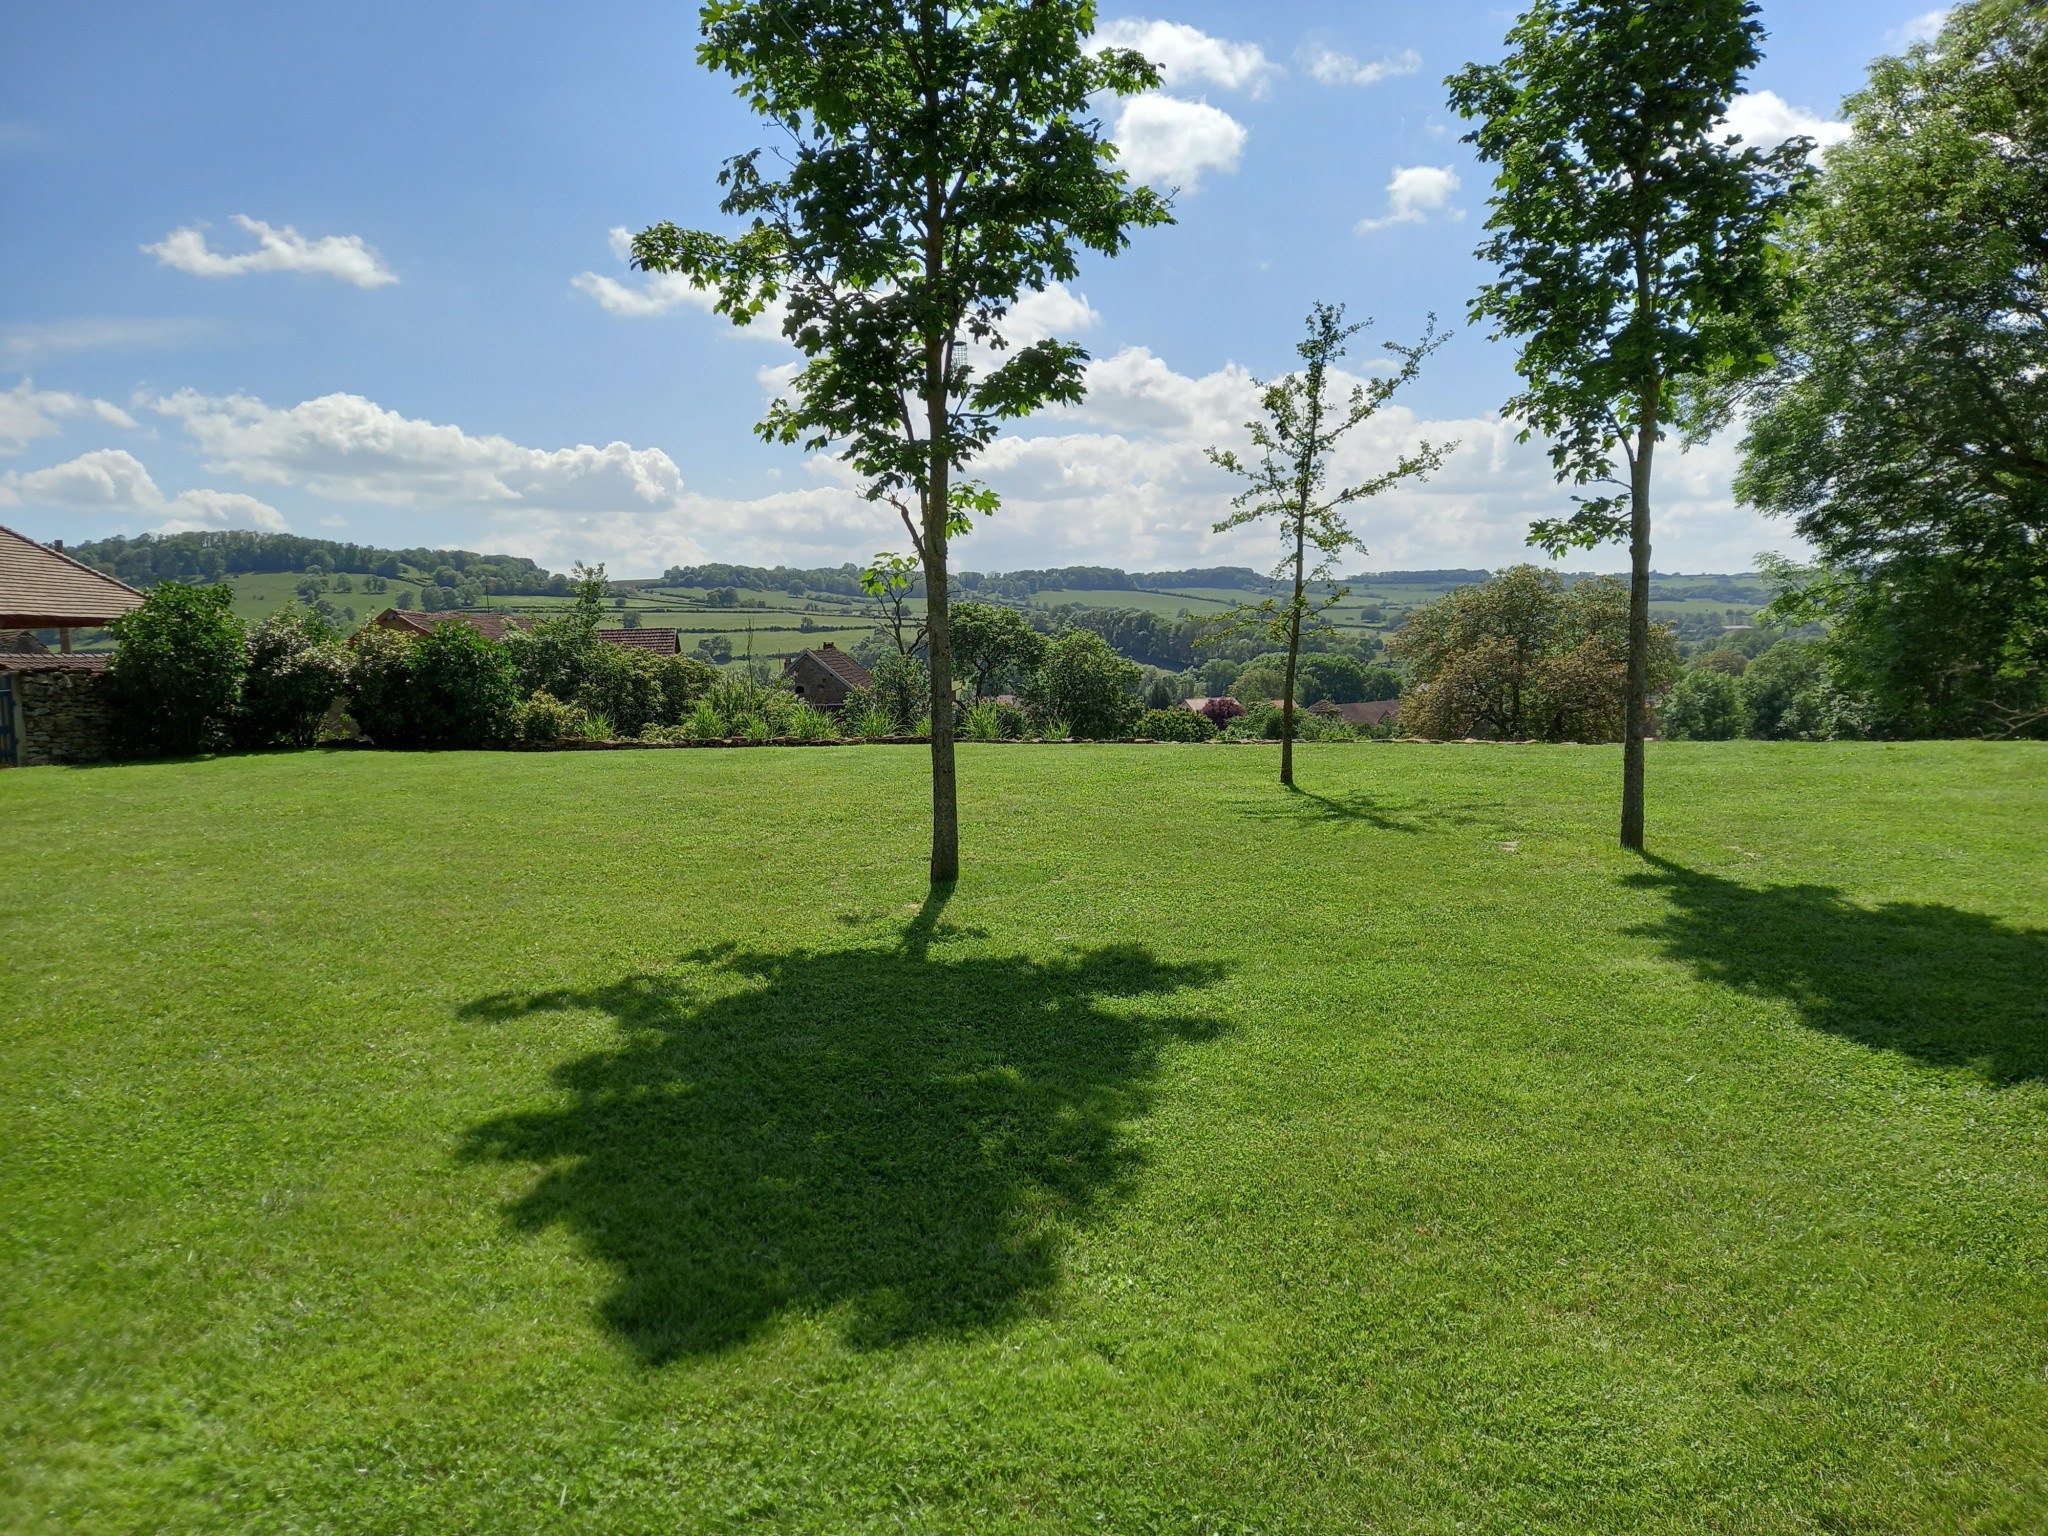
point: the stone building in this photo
(52, 705)
(825, 677)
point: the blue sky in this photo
(350, 271)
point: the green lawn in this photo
(613, 1142)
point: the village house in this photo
(52, 708)
(824, 677)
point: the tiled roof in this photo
(842, 666)
(663, 642)
(77, 661)
(491, 626)
(41, 589)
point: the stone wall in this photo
(64, 716)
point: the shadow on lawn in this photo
(1945, 986)
(883, 1128)
(1388, 815)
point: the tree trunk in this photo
(1293, 655)
(945, 866)
(1637, 708)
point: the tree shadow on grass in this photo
(1947, 987)
(1387, 814)
(887, 1130)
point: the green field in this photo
(622, 1142)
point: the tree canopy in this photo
(1905, 430)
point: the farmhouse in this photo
(825, 677)
(51, 706)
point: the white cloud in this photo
(1168, 141)
(1186, 55)
(1924, 28)
(662, 293)
(1121, 480)
(345, 257)
(114, 480)
(27, 413)
(1333, 68)
(1416, 192)
(347, 448)
(1765, 120)
(58, 338)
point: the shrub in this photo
(177, 674)
(1175, 725)
(296, 671)
(684, 680)
(463, 688)
(1703, 706)
(378, 687)
(806, 722)
(1220, 712)
(624, 685)
(543, 718)
(1087, 685)
(991, 720)
(902, 691)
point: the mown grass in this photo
(622, 1142)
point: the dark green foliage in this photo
(902, 691)
(1786, 694)
(624, 685)
(176, 676)
(1703, 706)
(212, 555)
(1086, 684)
(994, 648)
(1178, 724)
(1906, 431)
(464, 688)
(297, 669)
(378, 689)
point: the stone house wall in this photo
(63, 716)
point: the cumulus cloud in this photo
(344, 257)
(1170, 142)
(1186, 55)
(1121, 479)
(1333, 68)
(27, 413)
(112, 480)
(1924, 28)
(347, 448)
(1765, 120)
(1416, 192)
(644, 296)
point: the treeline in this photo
(213, 555)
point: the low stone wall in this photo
(65, 717)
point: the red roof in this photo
(839, 663)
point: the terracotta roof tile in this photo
(663, 642)
(842, 666)
(41, 589)
(77, 661)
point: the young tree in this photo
(177, 671)
(1633, 239)
(889, 581)
(1299, 428)
(941, 162)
